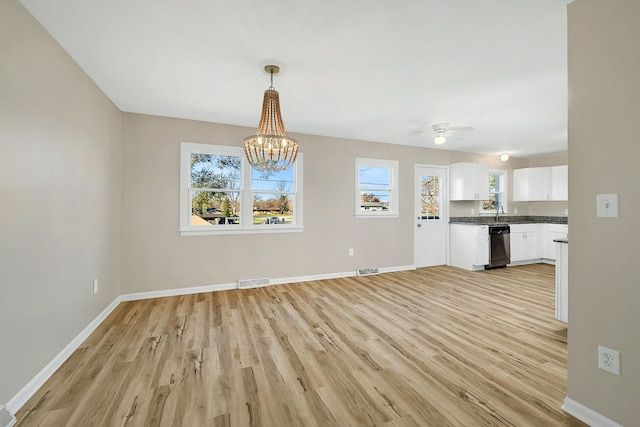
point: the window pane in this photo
(276, 208)
(273, 181)
(494, 184)
(214, 208)
(430, 197)
(498, 200)
(490, 205)
(215, 171)
(372, 201)
(374, 177)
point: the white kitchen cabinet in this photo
(524, 242)
(550, 232)
(521, 185)
(541, 184)
(468, 181)
(469, 246)
(562, 282)
(483, 245)
(560, 183)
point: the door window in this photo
(430, 197)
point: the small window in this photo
(497, 192)
(376, 188)
(221, 194)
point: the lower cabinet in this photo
(524, 242)
(482, 258)
(469, 246)
(549, 234)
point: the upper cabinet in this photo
(469, 181)
(560, 182)
(541, 184)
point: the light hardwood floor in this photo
(435, 346)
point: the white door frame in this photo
(416, 208)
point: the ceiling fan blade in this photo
(461, 128)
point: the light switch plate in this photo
(607, 205)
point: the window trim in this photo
(505, 186)
(246, 225)
(394, 200)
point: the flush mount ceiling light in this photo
(440, 131)
(270, 149)
(504, 157)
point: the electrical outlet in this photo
(95, 286)
(473, 211)
(609, 360)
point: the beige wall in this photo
(156, 257)
(90, 192)
(60, 166)
(556, 160)
(604, 272)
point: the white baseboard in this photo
(41, 377)
(397, 268)
(180, 291)
(337, 275)
(586, 414)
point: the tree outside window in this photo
(430, 197)
(221, 194)
(497, 192)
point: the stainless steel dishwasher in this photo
(499, 246)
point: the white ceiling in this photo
(373, 70)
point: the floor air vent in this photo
(253, 283)
(368, 271)
(6, 418)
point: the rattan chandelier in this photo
(270, 149)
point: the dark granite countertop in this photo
(509, 219)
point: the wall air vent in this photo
(368, 271)
(252, 283)
(6, 417)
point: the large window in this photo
(376, 188)
(221, 194)
(497, 192)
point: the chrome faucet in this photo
(498, 212)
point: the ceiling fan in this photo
(442, 131)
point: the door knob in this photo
(419, 225)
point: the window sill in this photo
(378, 215)
(231, 230)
